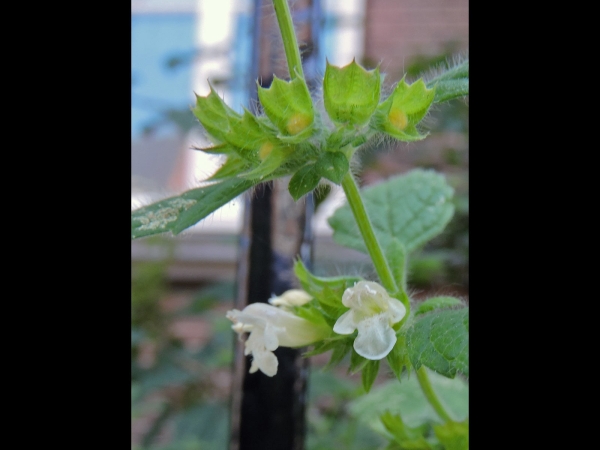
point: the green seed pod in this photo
(399, 114)
(351, 93)
(289, 106)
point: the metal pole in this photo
(268, 413)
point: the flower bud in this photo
(293, 297)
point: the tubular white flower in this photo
(372, 312)
(293, 297)
(269, 328)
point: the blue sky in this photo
(154, 39)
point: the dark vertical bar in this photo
(272, 408)
(268, 413)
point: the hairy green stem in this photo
(431, 396)
(366, 230)
(290, 44)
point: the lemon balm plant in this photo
(371, 320)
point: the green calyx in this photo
(250, 132)
(399, 114)
(351, 93)
(214, 115)
(289, 106)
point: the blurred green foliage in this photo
(174, 393)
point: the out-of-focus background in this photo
(181, 342)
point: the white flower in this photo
(293, 297)
(372, 312)
(269, 328)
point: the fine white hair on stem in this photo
(440, 68)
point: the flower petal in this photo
(345, 323)
(266, 361)
(375, 337)
(270, 339)
(396, 311)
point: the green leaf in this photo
(232, 166)
(407, 437)
(395, 253)
(342, 136)
(453, 435)
(398, 357)
(452, 83)
(249, 132)
(357, 362)
(327, 290)
(310, 312)
(177, 213)
(214, 115)
(412, 208)
(304, 181)
(407, 399)
(272, 161)
(314, 285)
(440, 340)
(333, 166)
(441, 302)
(220, 149)
(340, 345)
(403, 110)
(325, 345)
(351, 93)
(343, 347)
(289, 106)
(369, 373)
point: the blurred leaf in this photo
(406, 437)
(407, 399)
(208, 422)
(217, 351)
(327, 383)
(427, 268)
(164, 374)
(329, 426)
(453, 435)
(412, 208)
(207, 297)
(177, 213)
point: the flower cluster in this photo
(271, 327)
(372, 312)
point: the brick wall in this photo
(397, 30)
